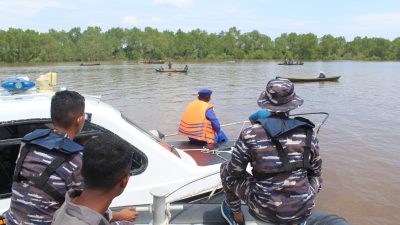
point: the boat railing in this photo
(317, 128)
(160, 209)
(319, 125)
(222, 125)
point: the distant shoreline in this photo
(174, 62)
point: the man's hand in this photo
(238, 217)
(127, 214)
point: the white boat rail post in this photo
(161, 209)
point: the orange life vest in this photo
(194, 123)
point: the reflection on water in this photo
(359, 143)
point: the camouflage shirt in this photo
(30, 205)
(287, 197)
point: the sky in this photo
(348, 18)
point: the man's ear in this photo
(80, 119)
(124, 181)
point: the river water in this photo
(359, 143)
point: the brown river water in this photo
(359, 143)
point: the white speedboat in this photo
(188, 175)
(155, 164)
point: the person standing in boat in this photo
(199, 122)
(169, 65)
(49, 164)
(105, 170)
(286, 166)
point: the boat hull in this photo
(293, 64)
(90, 64)
(153, 62)
(313, 79)
(170, 71)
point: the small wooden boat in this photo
(90, 64)
(159, 70)
(291, 64)
(311, 79)
(154, 62)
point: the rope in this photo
(223, 125)
(200, 178)
(230, 124)
(241, 129)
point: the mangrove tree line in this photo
(93, 44)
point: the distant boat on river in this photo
(154, 62)
(90, 64)
(291, 64)
(311, 79)
(161, 70)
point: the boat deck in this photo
(209, 212)
(204, 156)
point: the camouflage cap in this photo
(279, 96)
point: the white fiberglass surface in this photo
(164, 169)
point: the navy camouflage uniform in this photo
(286, 197)
(285, 161)
(31, 205)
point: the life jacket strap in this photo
(41, 181)
(307, 148)
(284, 158)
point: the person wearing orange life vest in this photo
(199, 122)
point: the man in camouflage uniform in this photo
(49, 165)
(286, 166)
(34, 200)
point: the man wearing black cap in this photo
(199, 122)
(286, 166)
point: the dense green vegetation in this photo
(93, 44)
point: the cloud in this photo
(26, 8)
(379, 19)
(372, 25)
(232, 9)
(174, 3)
(21, 13)
(156, 19)
(293, 24)
(286, 25)
(130, 20)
